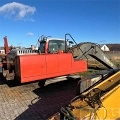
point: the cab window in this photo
(55, 45)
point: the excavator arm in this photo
(82, 50)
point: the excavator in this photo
(55, 57)
(49, 61)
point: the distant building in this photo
(105, 48)
(113, 47)
(110, 47)
(2, 50)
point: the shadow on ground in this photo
(2, 80)
(50, 99)
(11, 83)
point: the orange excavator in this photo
(49, 61)
(54, 57)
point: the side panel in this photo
(79, 64)
(65, 62)
(111, 106)
(31, 66)
(38, 67)
(52, 63)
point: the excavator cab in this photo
(53, 45)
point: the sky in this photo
(24, 21)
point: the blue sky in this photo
(24, 21)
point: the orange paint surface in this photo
(37, 67)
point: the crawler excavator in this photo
(49, 61)
(54, 57)
(98, 96)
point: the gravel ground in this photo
(30, 102)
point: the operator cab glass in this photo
(42, 46)
(55, 45)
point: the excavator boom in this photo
(82, 50)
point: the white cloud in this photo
(30, 34)
(17, 10)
